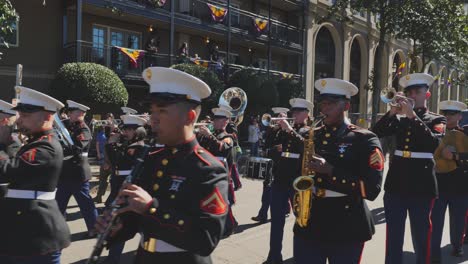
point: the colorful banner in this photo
(401, 68)
(132, 54)
(203, 63)
(260, 24)
(217, 13)
(159, 3)
(449, 82)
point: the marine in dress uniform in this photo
(179, 204)
(452, 184)
(287, 169)
(7, 120)
(221, 145)
(124, 160)
(33, 229)
(76, 171)
(348, 168)
(410, 185)
(273, 154)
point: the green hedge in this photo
(91, 83)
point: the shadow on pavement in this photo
(289, 261)
(242, 228)
(126, 258)
(379, 215)
(74, 216)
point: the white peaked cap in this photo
(167, 80)
(6, 108)
(301, 103)
(74, 105)
(280, 110)
(221, 111)
(28, 96)
(334, 86)
(452, 105)
(133, 120)
(416, 79)
(128, 110)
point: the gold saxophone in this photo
(304, 184)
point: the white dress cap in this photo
(280, 110)
(28, 97)
(172, 81)
(417, 79)
(5, 108)
(334, 86)
(128, 110)
(222, 111)
(72, 105)
(301, 104)
(452, 106)
(129, 120)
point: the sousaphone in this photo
(236, 98)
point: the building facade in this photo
(277, 37)
(348, 51)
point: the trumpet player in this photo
(410, 186)
(273, 153)
(290, 138)
(76, 171)
(221, 145)
(33, 229)
(348, 167)
(452, 182)
(179, 204)
(7, 123)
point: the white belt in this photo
(27, 194)
(323, 193)
(290, 155)
(222, 159)
(157, 245)
(123, 172)
(84, 154)
(414, 155)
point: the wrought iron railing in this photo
(242, 22)
(117, 61)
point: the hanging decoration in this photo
(133, 54)
(217, 13)
(158, 3)
(203, 63)
(260, 24)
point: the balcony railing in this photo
(242, 22)
(114, 59)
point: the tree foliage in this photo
(7, 19)
(438, 29)
(89, 82)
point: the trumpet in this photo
(267, 120)
(208, 125)
(392, 97)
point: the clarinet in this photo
(102, 238)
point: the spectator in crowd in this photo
(254, 137)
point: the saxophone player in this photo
(348, 167)
(291, 141)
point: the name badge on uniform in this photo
(176, 182)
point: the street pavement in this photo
(251, 242)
